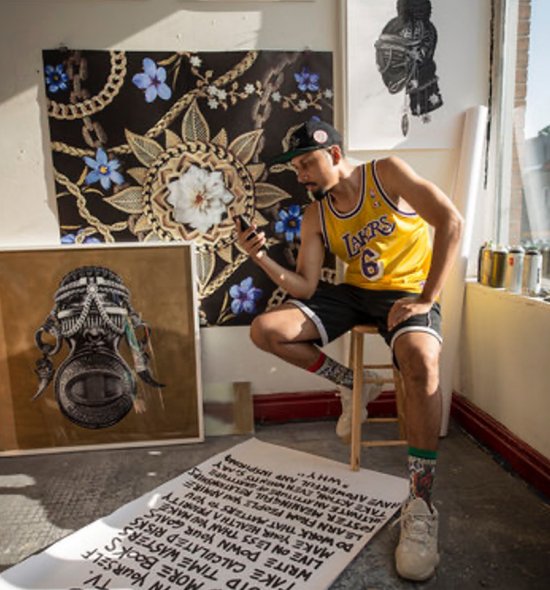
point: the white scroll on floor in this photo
(255, 517)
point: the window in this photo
(522, 47)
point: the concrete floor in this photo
(494, 529)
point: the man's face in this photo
(316, 171)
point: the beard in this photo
(319, 195)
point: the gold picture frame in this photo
(155, 356)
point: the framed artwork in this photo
(412, 69)
(99, 345)
(167, 146)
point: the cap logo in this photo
(320, 136)
(294, 142)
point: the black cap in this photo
(308, 137)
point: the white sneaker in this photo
(416, 556)
(370, 391)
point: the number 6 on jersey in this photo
(369, 268)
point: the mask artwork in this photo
(94, 386)
(405, 59)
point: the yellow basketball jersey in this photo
(384, 248)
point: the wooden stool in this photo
(357, 365)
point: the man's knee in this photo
(259, 332)
(265, 332)
(287, 324)
(419, 365)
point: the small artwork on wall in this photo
(405, 52)
(413, 67)
(169, 146)
(98, 345)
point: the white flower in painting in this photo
(199, 198)
(222, 94)
(212, 90)
(328, 93)
(302, 105)
(276, 97)
(196, 61)
(249, 89)
(213, 103)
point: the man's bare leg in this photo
(287, 333)
(418, 356)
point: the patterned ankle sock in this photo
(421, 473)
(332, 370)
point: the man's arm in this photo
(303, 282)
(401, 183)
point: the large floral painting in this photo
(160, 146)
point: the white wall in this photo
(506, 363)
(27, 205)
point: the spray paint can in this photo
(546, 261)
(514, 269)
(498, 267)
(532, 273)
(484, 263)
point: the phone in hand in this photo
(245, 225)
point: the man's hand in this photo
(405, 308)
(251, 241)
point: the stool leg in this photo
(400, 401)
(350, 351)
(357, 360)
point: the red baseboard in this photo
(312, 405)
(528, 463)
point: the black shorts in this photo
(335, 309)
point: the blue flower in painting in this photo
(153, 81)
(103, 169)
(307, 80)
(56, 78)
(244, 296)
(289, 223)
(71, 239)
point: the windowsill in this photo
(506, 295)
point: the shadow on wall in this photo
(33, 25)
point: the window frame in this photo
(508, 122)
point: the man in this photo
(375, 218)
